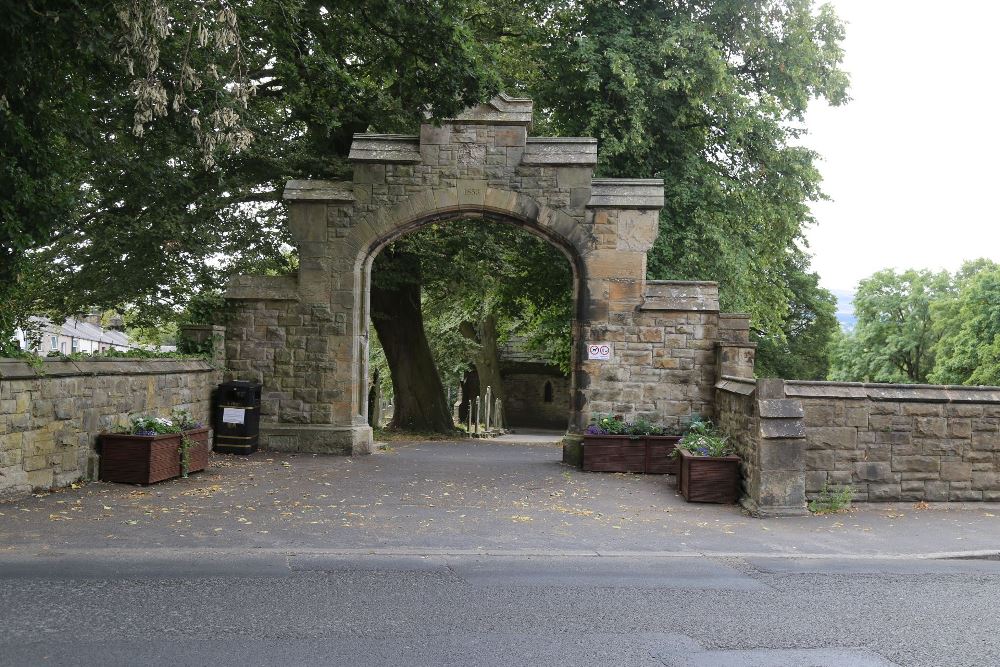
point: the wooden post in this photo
(477, 415)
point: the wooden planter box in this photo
(147, 459)
(709, 479)
(625, 453)
(198, 455)
(660, 454)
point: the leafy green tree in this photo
(96, 216)
(479, 281)
(894, 338)
(801, 351)
(709, 96)
(967, 322)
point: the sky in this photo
(911, 161)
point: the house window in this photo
(76, 345)
(548, 392)
(54, 343)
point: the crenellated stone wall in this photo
(50, 416)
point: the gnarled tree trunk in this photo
(420, 402)
(487, 357)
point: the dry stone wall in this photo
(50, 418)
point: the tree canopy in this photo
(919, 326)
(144, 142)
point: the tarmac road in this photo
(481, 554)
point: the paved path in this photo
(462, 497)
(481, 553)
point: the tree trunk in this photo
(470, 389)
(375, 401)
(487, 357)
(420, 402)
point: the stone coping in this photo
(396, 148)
(736, 385)
(319, 190)
(16, 369)
(560, 151)
(264, 288)
(681, 295)
(915, 393)
(628, 193)
(501, 110)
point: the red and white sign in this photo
(599, 352)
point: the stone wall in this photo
(524, 396)
(50, 419)
(766, 428)
(888, 442)
(901, 442)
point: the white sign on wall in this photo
(599, 352)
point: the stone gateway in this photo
(305, 337)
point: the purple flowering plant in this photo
(703, 439)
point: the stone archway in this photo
(305, 336)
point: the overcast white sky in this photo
(911, 161)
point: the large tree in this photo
(710, 96)
(97, 216)
(894, 337)
(480, 281)
(967, 322)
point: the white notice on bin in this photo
(233, 415)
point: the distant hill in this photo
(845, 308)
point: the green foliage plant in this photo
(703, 439)
(831, 502)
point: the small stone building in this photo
(536, 391)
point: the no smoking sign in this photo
(599, 352)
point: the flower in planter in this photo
(151, 426)
(594, 429)
(184, 420)
(611, 425)
(702, 439)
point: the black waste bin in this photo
(237, 417)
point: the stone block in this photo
(964, 495)
(780, 408)
(986, 440)
(616, 264)
(916, 464)
(873, 472)
(833, 437)
(856, 416)
(815, 480)
(819, 459)
(884, 492)
(936, 491)
(782, 428)
(369, 173)
(930, 427)
(781, 489)
(922, 409)
(782, 454)
(987, 480)
(959, 428)
(955, 471)
(40, 478)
